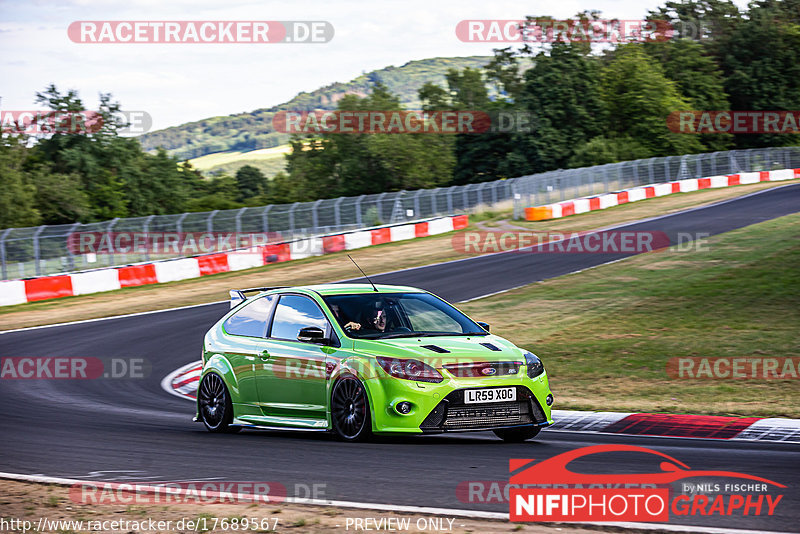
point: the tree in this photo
(602, 150)
(761, 62)
(639, 98)
(313, 170)
(250, 182)
(215, 194)
(282, 191)
(709, 21)
(335, 164)
(17, 195)
(98, 175)
(563, 94)
(698, 78)
(93, 156)
(479, 156)
(60, 199)
(504, 71)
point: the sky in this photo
(178, 83)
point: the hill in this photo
(244, 132)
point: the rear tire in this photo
(350, 413)
(214, 404)
(517, 435)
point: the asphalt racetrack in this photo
(132, 430)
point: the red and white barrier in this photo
(601, 202)
(82, 283)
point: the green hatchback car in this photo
(358, 359)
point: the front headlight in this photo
(410, 369)
(534, 365)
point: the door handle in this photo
(264, 355)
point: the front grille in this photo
(483, 369)
(487, 415)
(453, 414)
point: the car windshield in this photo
(393, 315)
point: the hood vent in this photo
(435, 348)
(491, 347)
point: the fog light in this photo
(403, 408)
(549, 399)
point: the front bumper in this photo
(437, 408)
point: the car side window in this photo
(295, 312)
(251, 319)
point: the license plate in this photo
(475, 396)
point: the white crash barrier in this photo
(95, 281)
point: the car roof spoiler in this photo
(238, 295)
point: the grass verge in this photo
(606, 334)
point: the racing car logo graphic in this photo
(554, 470)
(565, 495)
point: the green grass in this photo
(606, 334)
(270, 161)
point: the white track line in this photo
(97, 319)
(452, 512)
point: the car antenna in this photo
(362, 272)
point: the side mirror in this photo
(483, 325)
(312, 334)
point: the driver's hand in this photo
(352, 326)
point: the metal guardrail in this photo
(43, 250)
(555, 186)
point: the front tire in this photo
(350, 410)
(214, 404)
(517, 435)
